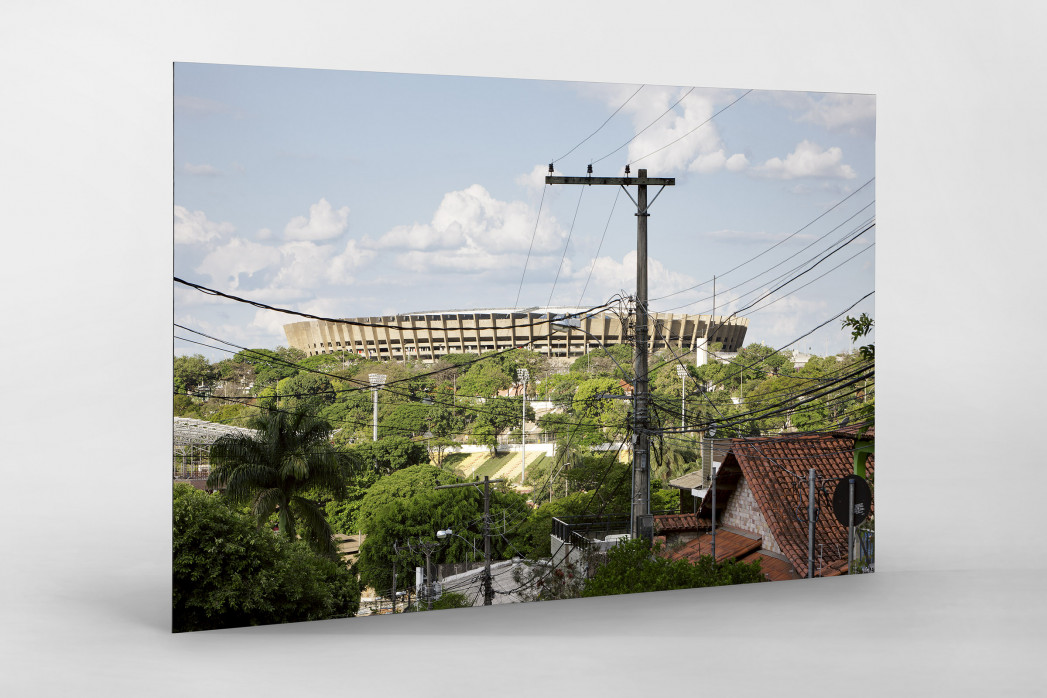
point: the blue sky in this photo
(347, 194)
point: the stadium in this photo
(426, 336)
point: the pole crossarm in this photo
(467, 484)
(614, 181)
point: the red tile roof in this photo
(774, 567)
(776, 471)
(674, 523)
(730, 543)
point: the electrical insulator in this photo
(589, 170)
(550, 168)
(626, 170)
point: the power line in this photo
(527, 260)
(581, 191)
(644, 128)
(780, 242)
(617, 193)
(601, 125)
(691, 131)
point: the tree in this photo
(193, 373)
(305, 392)
(484, 379)
(497, 415)
(229, 573)
(388, 455)
(272, 469)
(615, 360)
(394, 520)
(270, 365)
(404, 420)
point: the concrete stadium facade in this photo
(426, 336)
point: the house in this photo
(762, 503)
(713, 452)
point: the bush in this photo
(635, 566)
(229, 573)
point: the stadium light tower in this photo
(522, 374)
(682, 373)
(377, 381)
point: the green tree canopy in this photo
(418, 518)
(229, 573)
(388, 455)
(193, 373)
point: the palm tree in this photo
(288, 455)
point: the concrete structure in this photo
(426, 336)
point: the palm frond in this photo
(316, 530)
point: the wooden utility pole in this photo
(488, 587)
(641, 521)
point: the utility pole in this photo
(641, 522)
(488, 588)
(682, 372)
(812, 514)
(427, 548)
(522, 374)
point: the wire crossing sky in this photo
(354, 194)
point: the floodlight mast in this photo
(641, 523)
(377, 380)
(682, 372)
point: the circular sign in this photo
(862, 499)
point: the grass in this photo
(493, 465)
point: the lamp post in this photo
(522, 374)
(682, 373)
(377, 381)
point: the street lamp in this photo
(377, 381)
(448, 532)
(682, 373)
(522, 374)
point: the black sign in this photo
(862, 499)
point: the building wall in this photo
(743, 512)
(428, 336)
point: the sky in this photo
(349, 194)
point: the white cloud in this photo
(350, 259)
(787, 318)
(609, 275)
(737, 162)
(534, 181)
(303, 264)
(270, 324)
(472, 225)
(323, 223)
(225, 264)
(807, 160)
(696, 145)
(202, 170)
(193, 227)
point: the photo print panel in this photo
(444, 342)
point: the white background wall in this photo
(85, 168)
